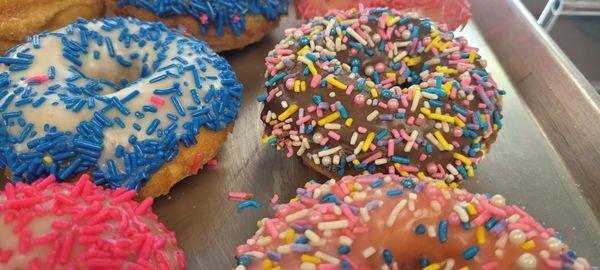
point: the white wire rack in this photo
(557, 8)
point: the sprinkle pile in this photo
(49, 225)
(393, 222)
(215, 13)
(114, 97)
(376, 90)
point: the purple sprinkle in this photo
(499, 227)
(273, 255)
(301, 248)
(386, 117)
(419, 187)
(372, 205)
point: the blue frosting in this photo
(220, 13)
(76, 119)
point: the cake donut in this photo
(374, 90)
(50, 225)
(223, 24)
(22, 18)
(393, 222)
(121, 99)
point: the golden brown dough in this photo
(19, 19)
(257, 27)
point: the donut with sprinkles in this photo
(376, 90)
(22, 18)
(124, 100)
(394, 222)
(50, 225)
(223, 24)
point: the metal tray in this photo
(525, 164)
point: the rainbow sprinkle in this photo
(394, 222)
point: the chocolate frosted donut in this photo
(380, 91)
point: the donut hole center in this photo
(114, 74)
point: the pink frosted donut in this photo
(390, 222)
(49, 225)
(454, 13)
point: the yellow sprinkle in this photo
(440, 138)
(267, 264)
(400, 80)
(413, 61)
(348, 122)
(433, 266)
(495, 127)
(459, 123)
(425, 111)
(447, 87)
(331, 80)
(351, 187)
(390, 75)
(273, 122)
(265, 139)
(368, 141)
(404, 173)
(303, 86)
(444, 46)
(446, 70)
(472, 56)
(480, 235)
(370, 84)
(310, 259)
(434, 34)
(441, 117)
(470, 171)
(462, 158)
(355, 162)
(297, 86)
(294, 200)
(432, 43)
(471, 209)
(374, 93)
(476, 140)
(303, 50)
(289, 236)
(276, 268)
(288, 112)
(307, 184)
(392, 21)
(312, 69)
(420, 175)
(528, 245)
(48, 159)
(464, 268)
(441, 185)
(259, 224)
(453, 185)
(329, 118)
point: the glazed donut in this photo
(49, 225)
(19, 19)
(374, 90)
(121, 99)
(393, 222)
(224, 24)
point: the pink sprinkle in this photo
(349, 89)
(489, 266)
(156, 100)
(390, 147)
(204, 19)
(212, 163)
(38, 78)
(324, 141)
(274, 199)
(236, 18)
(362, 130)
(240, 196)
(197, 165)
(334, 135)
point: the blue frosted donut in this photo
(115, 97)
(224, 24)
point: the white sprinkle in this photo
(308, 266)
(415, 102)
(400, 56)
(381, 161)
(263, 241)
(368, 252)
(395, 212)
(449, 264)
(353, 138)
(431, 231)
(358, 148)
(372, 115)
(364, 214)
(355, 35)
(316, 159)
(284, 104)
(462, 213)
(329, 151)
(312, 236)
(332, 225)
(326, 257)
(298, 215)
(285, 249)
(345, 240)
(429, 95)
(411, 142)
(451, 169)
(435, 205)
(333, 126)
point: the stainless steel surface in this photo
(565, 104)
(556, 8)
(524, 165)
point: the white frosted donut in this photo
(115, 97)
